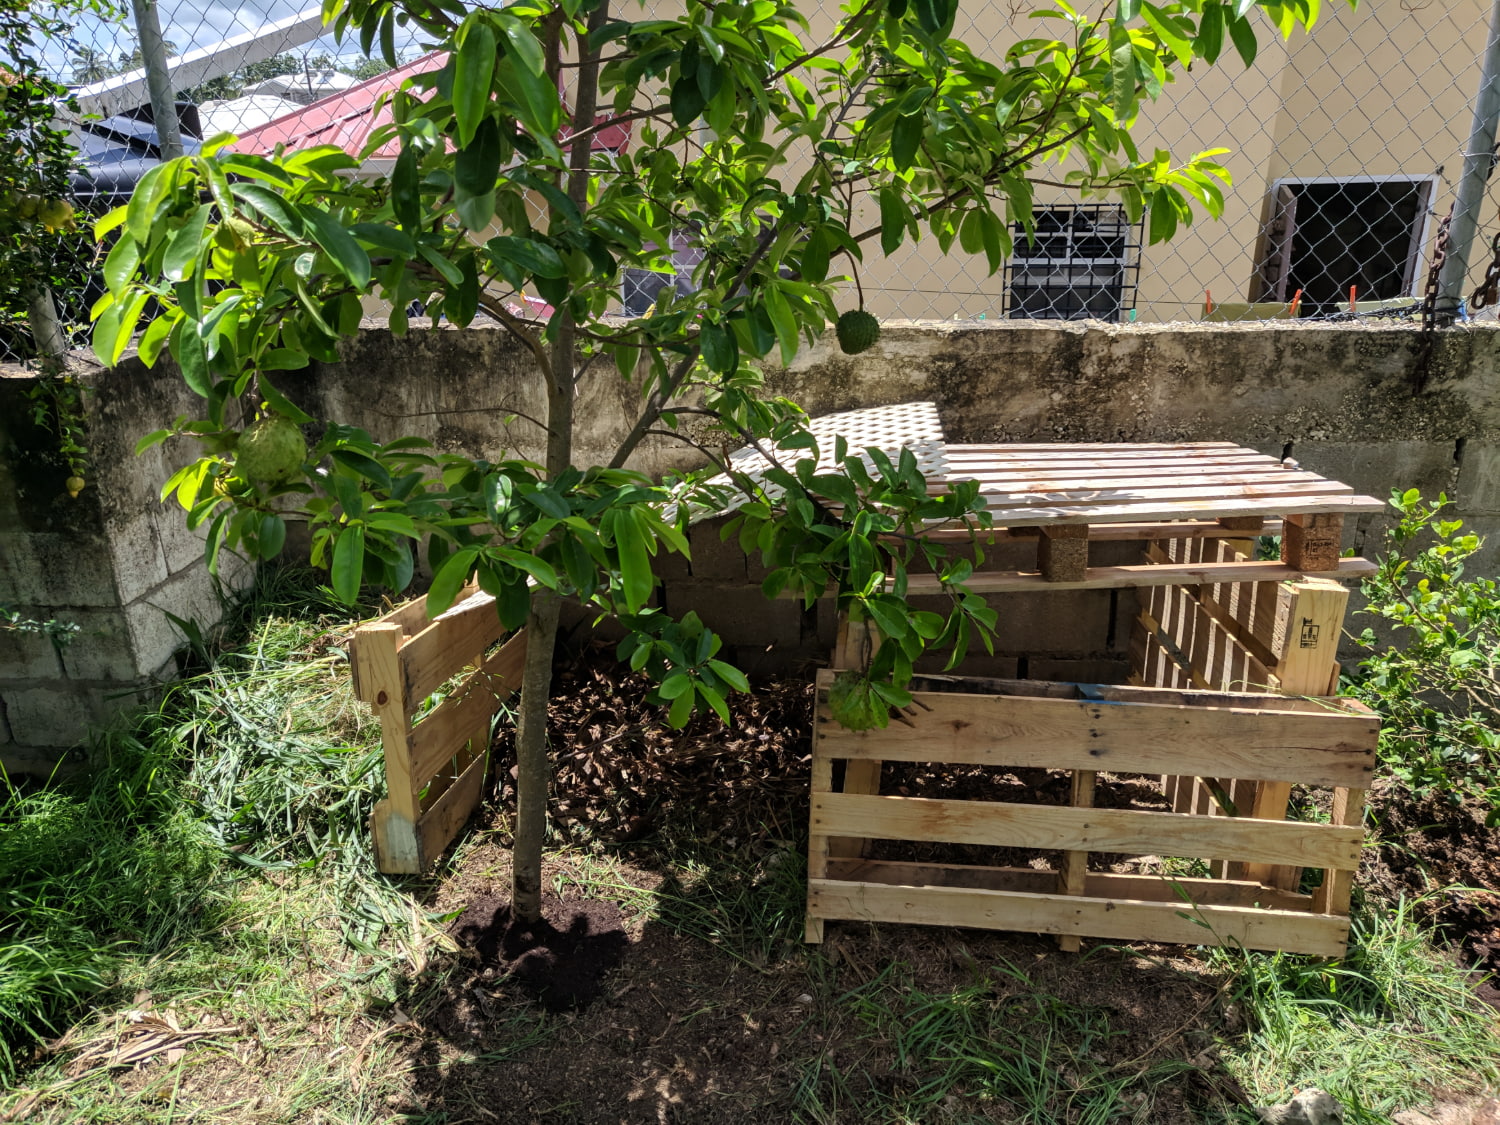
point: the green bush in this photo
(1433, 676)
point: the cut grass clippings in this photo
(198, 932)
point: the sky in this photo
(191, 24)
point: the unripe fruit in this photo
(272, 450)
(74, 485)
(857, 331)
(55, 214)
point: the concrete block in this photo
(976, 663)
(55, 569)
(1374, 468)
(1479, 478)
(42, 762)
(742, 616)
(1113, 670)
(714, 560)
(135, 555)
(1060, 623)
(28, 656)
(154, 639)
(63, 714)
(101, 649)
(181, 547)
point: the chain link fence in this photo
(1347, 147)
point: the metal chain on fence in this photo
(1339, 140)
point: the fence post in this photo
(158, 80)
(1479, 162)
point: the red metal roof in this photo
(347, 119)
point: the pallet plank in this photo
(1097, 884)
(1054, 828)
(440, 734)
(1333, 748)
(1118, 920)
(1130, 577)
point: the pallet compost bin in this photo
(437, 761)
(1230, 705)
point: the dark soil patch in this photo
(1436, 846)
(561, 961)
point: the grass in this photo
(216, 865)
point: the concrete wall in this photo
(110, 561)
(1345, 401)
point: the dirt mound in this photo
(560, 961)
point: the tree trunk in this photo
(46, 329)
(533, 774)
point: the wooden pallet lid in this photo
(1027, 485)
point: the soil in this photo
(560, 961)
(1448, 857)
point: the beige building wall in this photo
(1384, 90)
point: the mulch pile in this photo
(618, 767)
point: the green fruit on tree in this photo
(74, 485)
(55, 214)
(857, 331)
(854, 705)
(272, 450)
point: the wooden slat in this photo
(1228, 480)
(1113, 532)
(376, 651)
(1333, 896)
(1072, 875)
(441, 733)
(1267, 495)
(1118, 920)
(449, 643)
(1097, 884)
(1019, 448)
(1131, 577)
(1159, 459)
(441, 822)
(1055, 827)
(818, 856)
(1135, 511)
(1121, 693)
(1314, 749)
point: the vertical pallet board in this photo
(1226, 736)
(436, 766)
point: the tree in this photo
(90, 65)
(770, 142)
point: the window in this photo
(1323, 236)
(1081, 264)
(639, 288)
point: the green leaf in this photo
(154, 438)
(339, 244)
(893, 216)
(906, 138)
(538, 568)
(681, 710)
(549, 502)
(348, 563)
(192, 358)
(406, 197)
(1243, 36)
(450, 577)
(675, 685)
(521, 44)
(120, 265)
(473, 73)
(730, 675)
(367, 467)
(636, 578)
(1122, 74)
(1209, 41)
(720, 351)
(385, 238)
(815, 256)
(277, 211)
(185, 245)
(784, 323)
(272, 535)
(534, 257)
(1127, 10)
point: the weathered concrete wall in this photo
(1344, 401)
(113, 561)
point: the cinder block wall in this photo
(1346, 401)
(112, 561)
(1063, 635)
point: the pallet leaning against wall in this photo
(437, 760)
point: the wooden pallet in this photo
(436, 760)
(1084, 729)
